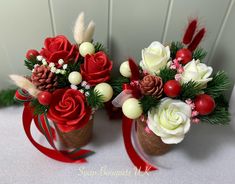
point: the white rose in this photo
(196, 71)
(170, 121)
(154, 57)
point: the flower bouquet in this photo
(170, 89)
(67, 85)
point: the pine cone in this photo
(44, 79)
(152, 86)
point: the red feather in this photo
(135, 74)
(190, 31)
(197, 39)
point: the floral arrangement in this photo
(170, 89)
(68, 83)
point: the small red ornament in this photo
(185, 55)
(204, 104)
(32, 54)
(172, 88)
(44, 98)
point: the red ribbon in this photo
(127, 123)
(75, 156)
(133, 155)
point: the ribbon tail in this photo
(52, 153)
(133, 155)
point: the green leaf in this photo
(218, 84)
(167, 74)
(148, 102)
(189, 90)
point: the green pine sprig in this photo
(100, 47)
(95, 99)
(218, 84)
(221, 115)
(175, 46)
(7, 97)
(117, 84)
(62, 79)
(189, 90)
(167, 74)
(38, 108)
(148, 102)
(30, 63)
(199, 53)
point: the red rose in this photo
(96, 68)
(59, 48)
(68, 109)
(31, 54)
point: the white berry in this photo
(131, 108)
(75, 78)
(86, 48)
(61, 61)
(44, 62)
(52, 65)
(73, 87)
(62, 72)
(105, 90)
(65, 66)
(53, 69)
(57, 71)
(39, 58)
(125, 69)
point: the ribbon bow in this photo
(75, 156)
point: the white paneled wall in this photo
(23, 25)
(124, 26)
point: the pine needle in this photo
(167, 74)
(7, 98)
(189, 90)
(199, 53)
(220, 116)
(175, 46)
(100, 47)
(218, 84)
(38, 108)
(117, 84)
(95, 99)
(30, 63)
(148, 102)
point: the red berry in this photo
(185, 55)
(32, 54)
(172, 88)
(44, 98)
(204, 104)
